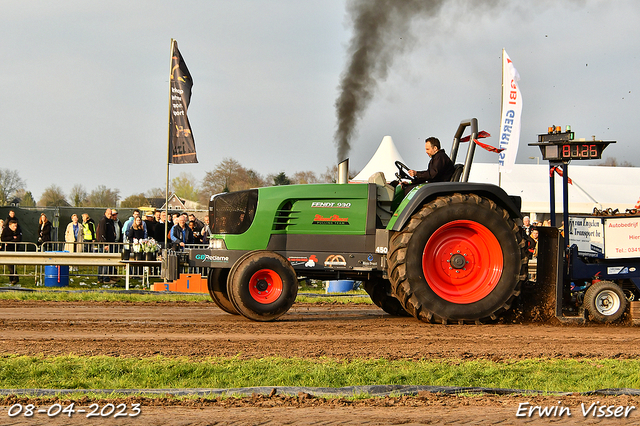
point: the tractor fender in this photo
(431, 191)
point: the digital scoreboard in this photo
(556, 145)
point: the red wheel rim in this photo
(462, 261)
(265, 286)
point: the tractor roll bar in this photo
(473, 122)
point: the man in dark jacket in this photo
(106, 234)
(181, 234)
(12, 215)
(10, 236)
(440, 168)
(150, 222)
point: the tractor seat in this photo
(457, 173)
(385, 191)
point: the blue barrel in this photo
(56, 275)
(340, 286)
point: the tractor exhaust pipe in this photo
(343, 171)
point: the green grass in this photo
(98, 296)
(74, 293)
(102, 372)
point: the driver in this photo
(440, 168)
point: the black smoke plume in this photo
(381, 29)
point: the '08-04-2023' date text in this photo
(94, 410)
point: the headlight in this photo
(217, 244)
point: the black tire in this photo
(262, 285)
(381, 295)
(217, 285)
(605, 301)
(444, 222)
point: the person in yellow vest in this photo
(88, 231)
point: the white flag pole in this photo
(501, 109)
(166, 188)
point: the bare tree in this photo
(229, 176)
(304, 177)
(155, 193)
(10, 182)
(223, 178)
(53, 196)
(613, 162)
(252, 179)
(135, 200)
(78, 195)
(103, 197)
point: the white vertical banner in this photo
(510, 115)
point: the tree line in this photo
(229, 175)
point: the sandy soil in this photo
(310, 331)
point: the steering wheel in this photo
(403, 171)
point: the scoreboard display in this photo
(561, 146)
(573, 151)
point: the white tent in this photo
(593, 186)
(382, 161)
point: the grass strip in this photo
(102, 372)
(98, 296)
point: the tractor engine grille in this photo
(284, 216)
(233, 213)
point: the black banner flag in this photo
(182, 147)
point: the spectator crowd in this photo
(530, 233)
(84, 235)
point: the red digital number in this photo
(593, 151)
(566, 150)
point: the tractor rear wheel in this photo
(262, 285)
(217, 285)
(605, 301)
(460, 258)
(381, 295)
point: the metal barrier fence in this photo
(87, 259)
(16, 271)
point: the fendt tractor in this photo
(445, 252)
(450, 252)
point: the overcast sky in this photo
(85, 84)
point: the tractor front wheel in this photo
(262, 285)
(605, 301)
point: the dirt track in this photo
(309, 331)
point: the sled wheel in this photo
(217, 285)
(605, 301)
(262, 285)
(460, 258)
(380, 292)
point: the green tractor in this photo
(445, 252)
